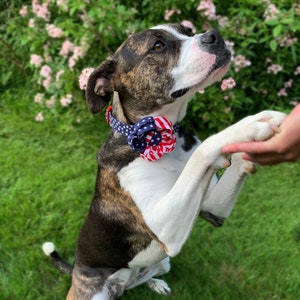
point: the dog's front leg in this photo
(174, 214)
(220, 198)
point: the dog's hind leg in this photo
(159, 286)
(145, 275)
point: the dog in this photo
(154, 177)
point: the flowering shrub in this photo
(50, 42)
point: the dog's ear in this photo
(100, 86)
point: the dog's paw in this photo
(159, 286)
(246, 166)
(262, 126)
(258, 127)
(274, 118)
(221, 162)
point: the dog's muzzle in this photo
(212, 42)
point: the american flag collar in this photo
(151, 137)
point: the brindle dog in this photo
(153, 181)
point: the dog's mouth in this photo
(205, 59)
(215, 75)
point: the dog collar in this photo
(151, 137)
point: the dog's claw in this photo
(275, 129)
(215, 220)
(159, 286)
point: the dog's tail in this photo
(49, 250)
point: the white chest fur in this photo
(148, 182)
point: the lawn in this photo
(48, 171)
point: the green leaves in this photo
(273, 45)
(277, 30)
(260, 34)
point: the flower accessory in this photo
(152, 137)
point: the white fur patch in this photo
(48, 248)
(103, 295)
(193, 66)
(150, 182)
(172, 31)
(148, 257)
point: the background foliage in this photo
(49, 141)
(262, 35)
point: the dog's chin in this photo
(214, 76)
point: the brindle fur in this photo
(114, 231)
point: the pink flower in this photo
(274, 69)
(227, 110)
(47, 82)
(66, 48)
(51, 102)
(47, 57)
(79, 52)
(36, 60)
(72, 62)
(45, 71)
(288, 84)
(39, 117)
(240, 62)
(62, 4)
(228, 84)
(41, 10)
(230, 46)
(268, 60)
(54, 31)
(67, 100)
(208, 8)
(271, 12)
(38, 98)
(23, 11)
(31, 23)
(297, 71)
(294, 102)
(84, 76)
(169, 13)
(287, 40)
(223, 21)
(282, 93)
(189, 24)
(263, 91)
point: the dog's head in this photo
(163, 65)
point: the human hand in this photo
(284, 146)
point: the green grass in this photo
(47, 179)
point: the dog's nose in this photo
(211, 37)
(212, 42)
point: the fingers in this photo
(263, 159)
(249, 147)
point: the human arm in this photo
(284, 146)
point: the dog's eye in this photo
(158, 46)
